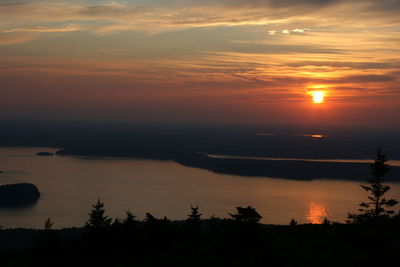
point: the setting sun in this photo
(318, 96)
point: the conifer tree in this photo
(48, 224)
(150, 218)
(48, 239)
(97, 218)
(377, 206)
(249, 215)
(129, 221)
(326, 222)
(194, 216)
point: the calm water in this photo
(70, 185)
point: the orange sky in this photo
(202, 61)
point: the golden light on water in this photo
(317, 136)
(316, 213)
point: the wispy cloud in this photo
(185, 14)
(16, 38)
(64, 28)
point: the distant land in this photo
(286, 169)
(18, 195)
(182, 144)
(165, 141)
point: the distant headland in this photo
(285, 169)
(44, 154)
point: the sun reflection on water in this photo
(317, 136)
(316, 213)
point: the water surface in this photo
(70, 185)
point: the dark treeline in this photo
(240, 240)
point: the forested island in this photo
(18, 195)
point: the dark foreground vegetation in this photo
(238, 241)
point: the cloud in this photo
(391, 64)
(16, 38)
(316, 55)
(288, 31)
(300, 30)
(171, 15)
(26, 34)
(65, 28)
(372, 78)
(116, 27)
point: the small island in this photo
(18, 195)
(44, 154)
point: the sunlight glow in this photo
(318, 96)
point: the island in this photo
(44, 154)
(18, 195)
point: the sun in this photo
(318, 96)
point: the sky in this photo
(202, 61)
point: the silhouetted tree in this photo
(117, 225)
(293, 222)
(378, 206)
(194, 216)
(248, 214)
(97, 218)
(48, 224)
(326, 222)
(129, 221)
(48, 239)
(165, 220)
(150, 218)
